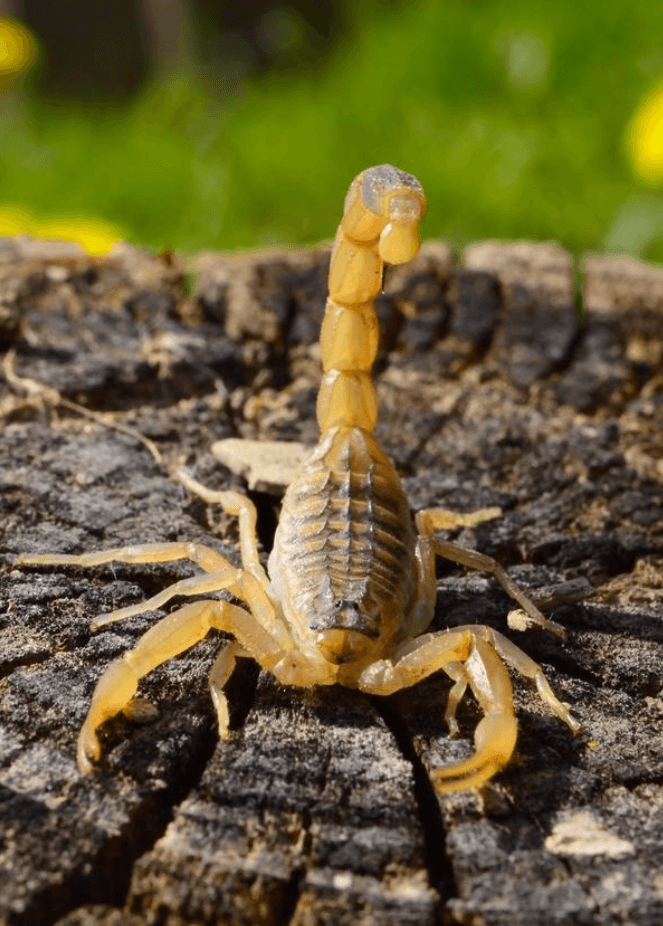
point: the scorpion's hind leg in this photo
(241, 507)
(442, 519)
(171, 636)
(432, 520)
(218, 571)
(203, 556)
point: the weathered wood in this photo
(496, 387)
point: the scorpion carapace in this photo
(351, 588)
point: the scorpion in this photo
(350, 588)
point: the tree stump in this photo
(500, 382)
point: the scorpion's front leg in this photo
(170, 637)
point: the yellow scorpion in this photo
(350, 588)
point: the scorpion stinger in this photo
(351, 587)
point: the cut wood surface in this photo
(513, 378)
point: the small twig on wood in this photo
(52, 397)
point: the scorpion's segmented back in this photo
(345, 537)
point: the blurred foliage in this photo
(520, 120)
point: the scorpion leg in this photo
(219, 574)
(486, 675)
(171, 636)
(196, 585)
(526, 666)
(208, 560)
(203, 556)
(512, 654)
(219, 675)
(457, 672)
(445, 520)
(428, 522)
(241, 507)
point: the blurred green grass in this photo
(512, 116)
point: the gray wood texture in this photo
(513, 378)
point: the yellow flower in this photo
(644, 138)
(17, 48)
(94, 235)
(14, 220)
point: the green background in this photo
(512, 116)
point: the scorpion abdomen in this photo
(345, 540)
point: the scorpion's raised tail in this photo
(380, 224)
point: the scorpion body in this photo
(351, 587)
(344, 547)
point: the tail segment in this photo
(380, 222)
